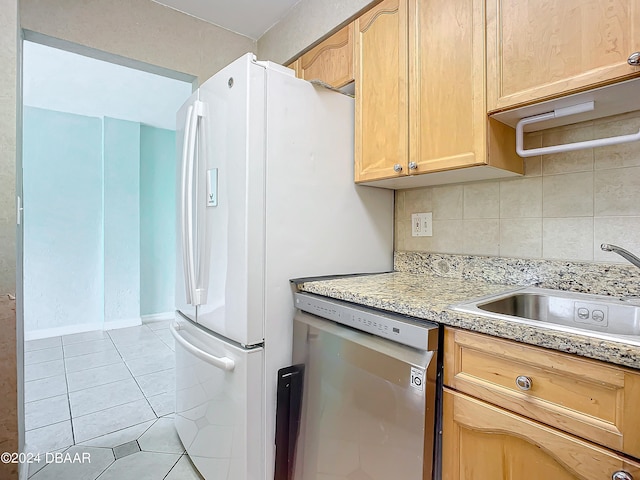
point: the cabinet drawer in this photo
(591, 399)
(481, 441)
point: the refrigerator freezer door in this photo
(218, 413)
(230, 259)
(185, 132)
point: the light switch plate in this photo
(422, 224)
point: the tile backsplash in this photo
(563, 208)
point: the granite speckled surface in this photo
(603, 279)
(428, 296)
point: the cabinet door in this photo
(447, 101)
(331, 61)
(588, 398)
(295, 66)
(537, 50)
(381, 130)
(481, 441)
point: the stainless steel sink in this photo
(599, 316)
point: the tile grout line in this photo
(135, 379)
(43, 398)
(133, 343)
(173, 466)
(108, 466)
(90, 353)
(68, 408)
(71, 417)
(153, 421)
(52, 423)
(94, 353)
(143, 395)
(44, 361)
(101, 384)
(121, 404)
(66, 381)
(68, 393)
(45, 426)
(38, 339)
(112, 406)
(43, 378)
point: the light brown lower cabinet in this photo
(485, 442)
(590, 399)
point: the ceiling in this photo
(251, 18)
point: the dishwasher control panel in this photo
(385, 325)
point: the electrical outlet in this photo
(421, 224)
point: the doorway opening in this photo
(99, 192)
(99, 166)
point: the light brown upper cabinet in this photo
(295, 66)
(382, 96)
(420, 97)
(541, 50)
(331, 61)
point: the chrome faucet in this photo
(627, 255)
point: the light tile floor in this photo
(110, 395)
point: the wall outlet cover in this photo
(422, 224)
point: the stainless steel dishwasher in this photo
(360, 399)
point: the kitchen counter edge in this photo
(427, 297)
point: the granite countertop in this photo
(428, 296)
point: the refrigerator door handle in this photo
(191, 235)
(200, 273)
(184, 221)
(223, 363)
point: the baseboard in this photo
(86, 327)
(59, 331)
(123, 323)
(157, 317)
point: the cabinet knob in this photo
(524, 383)
(413, 166)
(621, 475)
(397, 167)
(634, 61)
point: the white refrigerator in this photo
(265, 194)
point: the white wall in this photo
(63, 260)
(141, 30)
(58, 80)
(11, 358)
(121, 222)
(308, 21)
(99, 222)
(8, 104)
